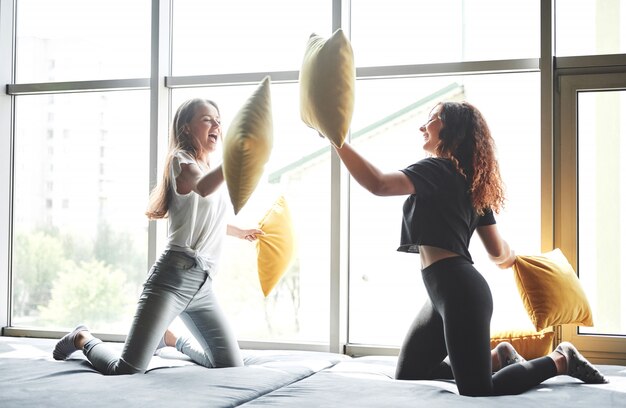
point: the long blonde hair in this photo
(180, 140)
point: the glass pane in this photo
(384, 282)
(602, 208)
(393, 32)
(80, 191)
(299, 169)
(590, 27)
(72, 40)
(224, 37)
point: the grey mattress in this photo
(29, 377)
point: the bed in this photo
(29, 377)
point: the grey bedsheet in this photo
(367, 382)
(29, 377)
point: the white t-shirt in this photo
(197, 225)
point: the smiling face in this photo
(431, 130)
(205, 127)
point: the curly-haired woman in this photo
(453, 193)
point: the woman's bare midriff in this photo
(430, 254)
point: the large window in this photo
(590, 226)
(80, 173)
(79, 234)
(86, 128)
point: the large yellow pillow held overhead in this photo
(551, 291)
(247, 145)
(275, 249)
(327, 81)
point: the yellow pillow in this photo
(529, 344)
(551, 291)
(247, 145)
(327, 80)
(275, 249)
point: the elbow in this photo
(204, 192)
(378, 193)
(374, 184)
(378, 189)
(201, 192)
(206, 189)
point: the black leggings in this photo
(455, 322)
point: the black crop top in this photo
(440, 213)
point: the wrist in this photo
(509, 261)
(504, 256)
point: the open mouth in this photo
(213, 137)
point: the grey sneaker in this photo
(578, 366)
(66, 346)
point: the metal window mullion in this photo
(7, 75)
(547, 89)
(338, 290)
(418, 70)
(451, 68)
(246, 78)
(77, 86)
(160, 68)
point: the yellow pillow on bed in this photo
(327, 81)
(247, 145)
(275, 249)
(529, 344)
(551, 291)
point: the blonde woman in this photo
(180, 282)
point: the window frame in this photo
(601, 348)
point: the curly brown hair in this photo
(180, 140)
(466, 139)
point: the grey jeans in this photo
(176, 286)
